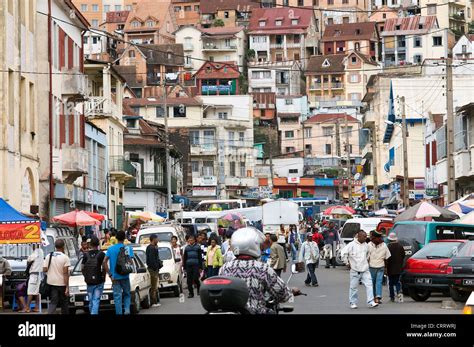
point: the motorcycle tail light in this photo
(217, 281)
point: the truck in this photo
(279, 212)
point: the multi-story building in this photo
(187, 12)
(220, 44)
(61, 127)
(218, 78)
(455, 15)
(19, 112)
(228, 12)
(338, 81)
(464, 48)
(380, 15)
(151, 22)
(104, 108)
(144, 146)
(280, 77)
(359, 37)
(292, 111)
(344, 12)
(283, 34)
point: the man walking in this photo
(356, 255)
(378, 254)
(120, 281)
(154, 265)
(56, 266)
(277, 255)
(193, 264)
(310, 254)
(331, 238)
(94, 274)
(394, 267)
(36, 260)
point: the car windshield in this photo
(467, 250)
(349, 230)
(410, 232)
(162, 237)
(438, 250)
(77, 269)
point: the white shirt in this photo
(56, 270)
(309, 252)
(356, 254)
(37, 258)
(378, 254)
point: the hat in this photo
(376, 233)
(392, 237)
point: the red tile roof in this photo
(328, 117)
(221, 30)
(212, 6)
(315, 64)
(350, 31)
(409, 25)
(117, 17)
(217, 70)
(270, 15)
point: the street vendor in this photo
(5, 270)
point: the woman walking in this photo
(214, 259)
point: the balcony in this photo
(153, 180)
(73, 83)
(315, 86)
(241, 181)
(337, 85)
(99, 106)
(462, 164)
(75, 162)
(204, 181)
(207, 149)
(212, 46)
(118, 168)
(276, 45)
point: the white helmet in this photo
(247, 241)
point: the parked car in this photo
(385, 226)
(461, 273)
(140, 285)
(164, 232)
(427, 270)
(171, 274)
(413, 235)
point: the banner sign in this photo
(20, 233)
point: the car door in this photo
(143, 278)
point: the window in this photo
(85, 40)
(231, 138)
(131, 54)
(357, 46)
(464, 49)
(118, 7)
(345, 20)
(261, 23)
(417, 59)
(296, 38)
(308, 148)
(84, 8)
(241, 138)
(95, 23)
(194, 137)
(327, 131)
(330, 2)
(194, 166)
(279, 57)
(294, 21)
(296, 56)
(196, 8)
(307, 133)
(95, 40)
(187, 8)
(128, 7)
(327, 148)
(179, 111)
(226, 14)
(278, 22)
(289, 134)
(431, 10)
(232, 168)
(242, 169)
(208, 168)
(288, 101)
(135, 24)
(150, 23)
(293, 171)
(354, 78)
(222, 115)
(177, 8)
(160, 111)
(417, 41)
(437, 41)
(106, 8)
(330, 20)
(95, 8)
(384, 16)
(289, 149)
(315, 2)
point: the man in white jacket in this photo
(310, 254)
(356, 255)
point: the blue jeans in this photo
(94, 292)
(121, 290)
(294, 251)
(377, 278)
(302, 238)
(394, 282)
(363, 277)
(311, 277)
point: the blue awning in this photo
(390, 117)
(8, 214)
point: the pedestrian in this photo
(154, 265)
(378, 254)
(35, 263)
(20, 294)
(177, 251)
(214, 259)
(331, 238)
(5, 267)
(94, 273)
(105, 242)
(56, 266)
(120, 281)
(309, 253)
(192, 262)
(266, 244)
(84, 247)
(221, 230)
(81, 235)
(356, 255)
(277, 255)
(303, 230)
(202, 240)
(293, 242)
(394, 267)
(229, 253)
(282, 239)
(113, 236)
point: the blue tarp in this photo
(9, 214)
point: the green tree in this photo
(218, 23)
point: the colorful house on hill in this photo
(218, 78)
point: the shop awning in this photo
(16, 227)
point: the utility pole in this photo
(406, 201)
(450, 129)
(375, 167)
(167, 147)
(348, 151)
(338, 152)
(270, 152)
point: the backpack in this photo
(92, 270)
(124, 265)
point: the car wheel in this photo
(136, 302)
(459, 295)
(419, 294)
(147, 302)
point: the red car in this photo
(426, 271)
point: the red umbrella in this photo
(347, 208)
(98, 216)
(76, 218)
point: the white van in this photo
(203, 217)
(353, 225)
(164, 232)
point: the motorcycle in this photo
(229, 295)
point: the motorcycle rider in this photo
(260, 277)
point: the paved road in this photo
(331, 297)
